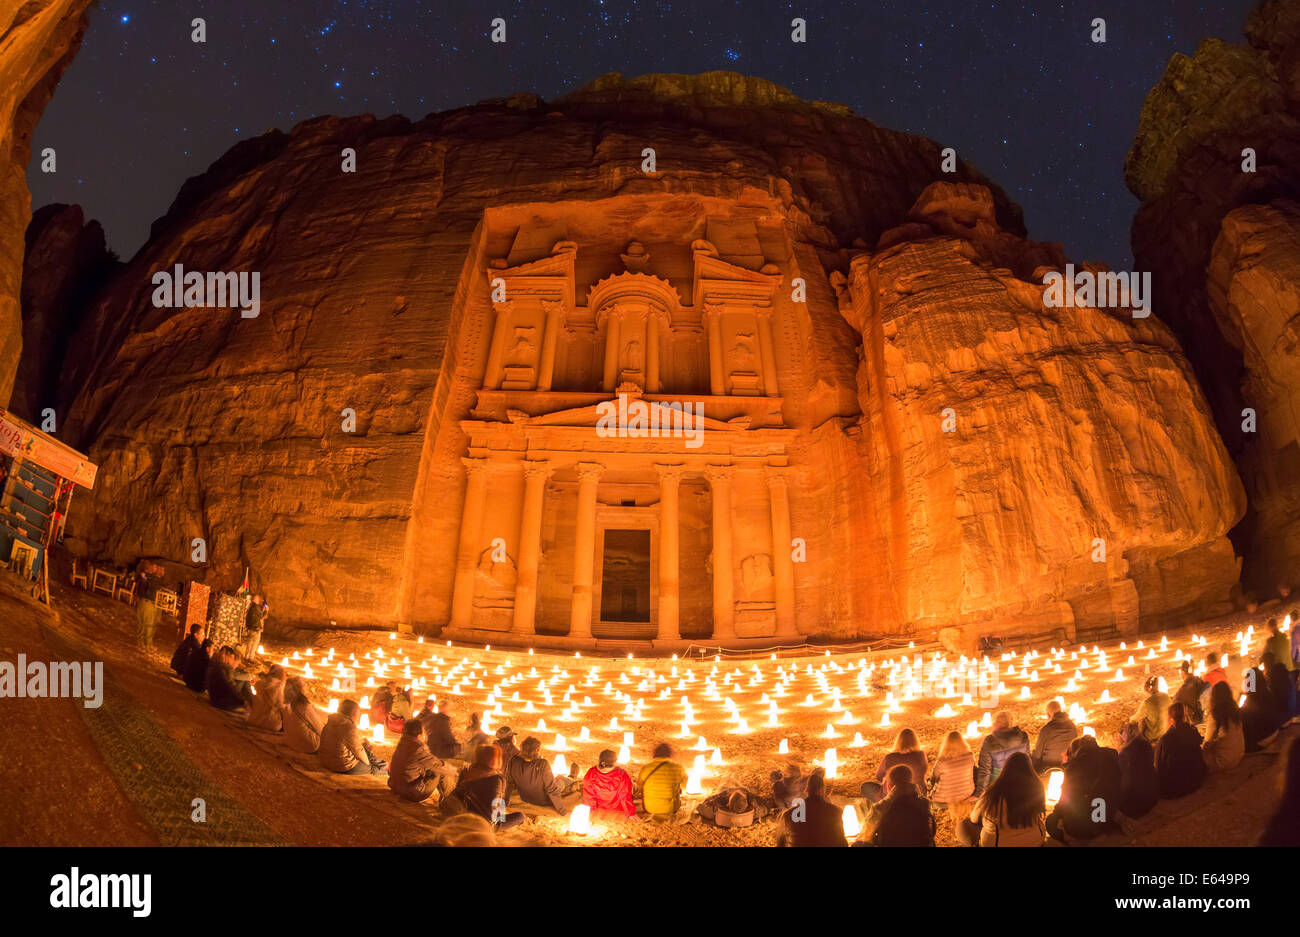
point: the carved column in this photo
(492, 380)
(471, 524)
(584, 546)
(767, 353)
(652, 353)
(530, 532)
(713, 321)
(724, 597)
(611, 351)
(670, 477)
(546, 368)
(782, 563)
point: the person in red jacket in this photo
(608, 787)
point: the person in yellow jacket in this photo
(661, 783)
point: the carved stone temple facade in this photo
(626, 463)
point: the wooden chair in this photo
(22, 558)
(79, 573)
(126, 587)
(167, 601)
(103, 580)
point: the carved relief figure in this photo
(494, 581)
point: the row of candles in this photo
(904, 679)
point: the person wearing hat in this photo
(530, 776)
(506, 742)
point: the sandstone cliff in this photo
(1072, 425)
(1220, 243)
(38, 39)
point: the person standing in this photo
(147, 581)
(254, 621)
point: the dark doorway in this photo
(625, 576)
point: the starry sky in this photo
(1018, 88)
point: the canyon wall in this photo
(1216, 165)
(38, 39)
(1072, 426)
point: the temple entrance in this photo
(625, 576)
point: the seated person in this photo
(1139, 784)
(482, 790)
(812, 820)
(903, 817)
(268, 701)
(662, 780)
(788, 787)
(1189, 692)
(1090, 792)
(1259, 714)
(1053, 739)
(1010, 812)
(196, 667)
(302, 721)
(1225, 740)
(342, 749)
(1180, 766)
(187, 647)
(608, 787)
(415, 772)
(1153, 712)
(224, 692)
(531, 777)
(437, 731)
(907, 751)
(505, 741)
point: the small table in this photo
(103, 580)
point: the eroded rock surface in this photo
(1216, 238)
(38, 39)
(1071, 424)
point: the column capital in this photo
(590, 471)
(474, 466)
(671, 473)
(776, 475)
(719, 473)
(537, 468)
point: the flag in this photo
(244, 590)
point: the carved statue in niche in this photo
(743, 357)
(756, 583)
(632, 356)
(494, 581)
(524, 349)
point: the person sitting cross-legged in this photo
(482, 790)
(530, 775)
(342, 749)
(661, 782)
(415, 772)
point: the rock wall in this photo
(1220, 244)
(38, 39)
(1071, 425)
(1025, 468)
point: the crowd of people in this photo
(1003, 794)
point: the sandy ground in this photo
(61, 792)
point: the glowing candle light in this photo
(580, 819)
(333, 706)
(884, 720)
(987, 721)
(973, 730)
(784, 747)
(1105, 697)
(1089, 730)
(365, 722)
(831, 763)
(560, 765)
(701, 744)
(560, 744)
(700, 764)
(624, 755)
(852, 824)
(716, 757)
(693, 783)
(1055, 779)
(378, 735)
(627, 739)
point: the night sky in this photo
(1019, 89)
